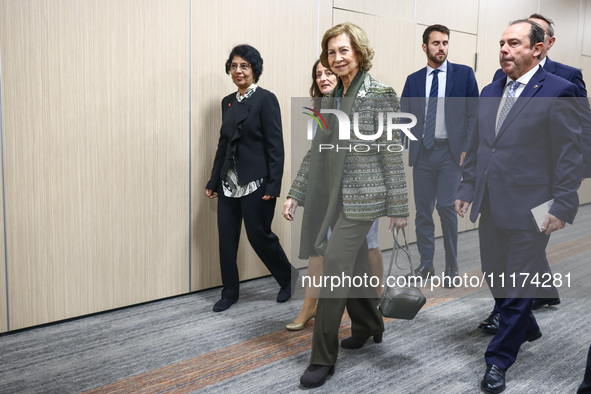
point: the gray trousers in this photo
(346, 255)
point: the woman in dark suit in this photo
(246, 176)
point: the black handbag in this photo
(401, 302)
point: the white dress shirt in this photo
(440, 129)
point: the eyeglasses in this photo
(243, 66)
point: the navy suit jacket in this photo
(251, 138)
(535, 156)
(460, 112)
(575, 76)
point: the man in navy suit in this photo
(491, 324)
(524, 152)
(443, 130)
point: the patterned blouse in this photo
(231, 185)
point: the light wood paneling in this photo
(96, 117)
(388, 9)
(585, 192)
(568, 32)
(392, 43)
(458, 15)
(3, 300)
(586, 70)
(587, 29)
(287, 40)
(462, 48)
(494, 20)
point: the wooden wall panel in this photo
(458, 15)
(586, 28)
(493, 21)
(462, 48)
(568, 32)
(585, 192)
(3, 299)
(586, 69)
(287, 39)
(388, 9)
(96, 117)
(392, 43)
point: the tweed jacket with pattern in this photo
(368, 184)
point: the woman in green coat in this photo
(345, 183)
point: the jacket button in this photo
(493, 150)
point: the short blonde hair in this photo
(359, 41)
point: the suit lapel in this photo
(237, 113)
(449, 80)
(420, 86)
(489, 105)
(531, 89)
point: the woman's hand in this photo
(289, 208)
(398, 222)
(210, 193)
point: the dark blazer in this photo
(575, 76)
(250, 137)
(535, 156)
(460, 112)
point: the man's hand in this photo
(552, 223)
(461, 207)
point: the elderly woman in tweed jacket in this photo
(346, 188)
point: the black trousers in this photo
(585, 387)
(258, 216)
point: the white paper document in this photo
(539, 213)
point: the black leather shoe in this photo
(316, 375)
(424, 272)
(533, 336)
(494, 380)
(448, 279)
(287, 290)
(224, 304)
(354, 342)
(491, 324)
(540, 302)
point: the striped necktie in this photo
(429, 133)
(510, 100)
